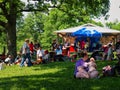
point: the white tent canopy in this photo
(103, 30)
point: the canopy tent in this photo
(103, 30)
(107, 34)
(87, 32)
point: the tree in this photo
(8, 11)
(58, 20)
(113, 25)
(32, 27)
(11, 9)
(84, 8)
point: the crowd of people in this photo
(99, 51)
(30, 49)
(85, 67)
(59, 51)
(27, 51)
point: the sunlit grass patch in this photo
(54, 76)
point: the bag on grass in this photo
(109, 71)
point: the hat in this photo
(26, 40)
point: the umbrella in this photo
(87, 32)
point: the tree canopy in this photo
(76, 10)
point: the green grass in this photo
(54, 76)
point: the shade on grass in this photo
(54, 76)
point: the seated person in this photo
(45, 58)
(58, 55)
(93, 73)
(38, 61)
(8, 60)
(81, 72)
(81, 63)
(40, 54)
(18, 59)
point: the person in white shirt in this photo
(40, 55)
(40, 52)
(8, 60)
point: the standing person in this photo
(26, 53)
(31, 47)
(87, 45)
(81, 63)
(82, 45)
(110, 52)
(94, 46)
(67, 45)
(117, 45)
(76, 43)
(36, 46)
(118, 49)
(105, 51)
(54, 45)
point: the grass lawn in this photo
(54, 76)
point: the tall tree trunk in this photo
(11, 35)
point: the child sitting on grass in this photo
(93, 73)
(81, 73)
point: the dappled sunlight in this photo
(95, 88)
(25, 71)
(32, 81)
(53, 76)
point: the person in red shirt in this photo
(82, 45)
(31, 47)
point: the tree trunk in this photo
(11, 35)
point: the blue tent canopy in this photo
(87, 32)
